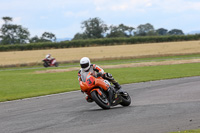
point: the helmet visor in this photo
(84, 65)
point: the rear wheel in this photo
(101, 100)
(126, 100)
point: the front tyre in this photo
(101, 100)
(45, 64)
(56, 64)
(126, 100)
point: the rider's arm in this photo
(98, 69)
(79, 76)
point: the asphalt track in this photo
(157, 107)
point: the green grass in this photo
(23, 83)
(142, 74)
(150, 59)
(18, 84)
(188, 131)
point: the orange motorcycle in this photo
(103, 93)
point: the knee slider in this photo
(108, 75)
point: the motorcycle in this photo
(50, 63)
(103, 93)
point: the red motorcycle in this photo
(103, 93)
(50, 63)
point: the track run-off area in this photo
(157, 107)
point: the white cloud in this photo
(148, 4)
(77, 14)
(61, 32)
(122, 5)
(17, 20)
(68, 31)
(177, 5)
(53, 15)
(119, 7)
(35, 5)
(143, 5)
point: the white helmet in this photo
(85, 63)
(48, 55)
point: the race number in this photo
(90, 81)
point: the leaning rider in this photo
(50, 59)
(87, 67)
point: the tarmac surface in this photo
(157, 107)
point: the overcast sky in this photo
(64, 17)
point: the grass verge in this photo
(188, 131)
(18, 84)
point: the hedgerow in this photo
(98, 42)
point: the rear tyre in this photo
(102, 101)
(126, 100)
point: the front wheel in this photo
(56, 64)
(126, 100)
(45, 64)
(101, 100)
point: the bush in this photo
(98, 42)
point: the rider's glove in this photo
(99, 74)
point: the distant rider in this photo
(87, 67)
(50, 60)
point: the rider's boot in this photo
(119, 89)
(117, 85)
(89, 99)
(110, 78)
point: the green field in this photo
(18, 84)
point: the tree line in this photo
(93, 28)
(96, 28)
(16, 34)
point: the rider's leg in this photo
(110, 78)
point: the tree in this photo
(94, 28)
(175, 32)
(79, 36)
(162, 31)
(35, 39)
(120, 31)
(115, 32)
(7, 19)
(13, 34)
(48, 37)
(145, 30)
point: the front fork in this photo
(110, 95)
(110, 92)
